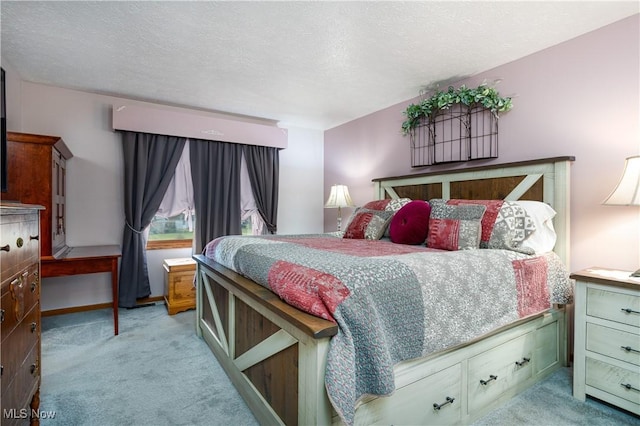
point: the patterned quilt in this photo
(393, 302)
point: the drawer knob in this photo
(33, 369)
(629, 387)
(491, 377)
(629, 349)
(34, 327)
(5, 248)
(19, 242)
(448, 400)
(629, 311)
(523, 362)
(1, 315)
(34, 237)
(34, 285)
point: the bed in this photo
(283, 360)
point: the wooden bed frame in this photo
(275, 354)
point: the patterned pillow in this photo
(505, 224)
(513, 225)
(368, 224)
(454, 227)
(410, 224)
(388, 205)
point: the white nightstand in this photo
(607, 337)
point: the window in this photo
(252, 223)
(172, 226)
(171, 232)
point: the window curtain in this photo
(215, 170)
(179, 196)
(149, 166)
(263, 165)
(248, 203)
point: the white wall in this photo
(95, 182)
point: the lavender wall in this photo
(578, 98)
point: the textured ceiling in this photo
(304, 64)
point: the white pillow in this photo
(543, 239)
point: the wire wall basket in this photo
(454, 135)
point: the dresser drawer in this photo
(16, 394)
(613, 306)
(613, 343)
(614, 380)
(20, 293)
(21, 340)
(414, 403)
(19, 234)
(495, 371)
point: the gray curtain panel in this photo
(149, 165)
(263, 166)
(215, 171)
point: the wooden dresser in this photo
(20, 314)
(607, 337)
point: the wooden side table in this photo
(179, 288)
(607, 337)
(87, 260)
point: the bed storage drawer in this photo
(438, 398)
(493, 372)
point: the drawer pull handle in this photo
(629, 349)
(19, 242)
(33, 369)
(629, 387)
(34, 285)
(629, 311)
(449, 400)
(6, 248)
(491, 377)
(34, 237)
(34, 327)
(1, 315)
(523, 362)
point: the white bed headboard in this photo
(549, 176)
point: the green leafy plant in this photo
(483, 95)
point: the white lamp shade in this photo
(339, 197)
(627, 193)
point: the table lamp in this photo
(627, 192)
(339, 197)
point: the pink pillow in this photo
(410, 224)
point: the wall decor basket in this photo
(456, 134)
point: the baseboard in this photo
(108, 305)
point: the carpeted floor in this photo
(157, 372)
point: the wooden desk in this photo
(86, 260)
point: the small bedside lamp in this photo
(339, 197)
(627, 192)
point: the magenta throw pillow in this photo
(410, 224)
